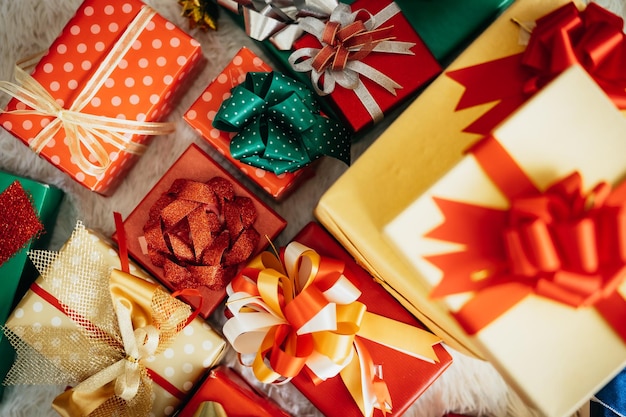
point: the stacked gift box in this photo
(487, 218)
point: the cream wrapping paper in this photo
(195, 349)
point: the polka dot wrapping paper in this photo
(174, 371)
(202, 112)
(143, 85)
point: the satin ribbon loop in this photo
(563, 243)
(117, 322)
(347, 38)
(306, 317)
(279, 126)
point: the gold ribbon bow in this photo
(85, 130)
(304, 316)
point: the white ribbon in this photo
(349, 77)
(87, 130)
(278, 20)
(139, 345)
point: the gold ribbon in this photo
(121, 321)
(304, 315)
(210, 409)
(302, 60)
(82, 129)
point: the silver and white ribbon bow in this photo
(278, 20)
(345, 67)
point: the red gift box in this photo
(239, 399)
(282, 353)
(195, 165)
(411, 72)
(149, 59)
(202, 113)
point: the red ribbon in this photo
(592, 38)
(338, 42)
(18, 221)
(201, 232)
(560, 243)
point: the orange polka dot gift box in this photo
(94, 100)
(120, 342)
(197, 227)
(268, 126)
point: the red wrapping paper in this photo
(410, 71)
(239, 399)
(144, 85)
(202, 112)
(406, 377)
(195, 165)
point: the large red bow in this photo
(201, 232)
(559, 243)
(592, 38)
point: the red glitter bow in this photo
(560, 243)
(201, 232)
(592, 38)
(18, 221)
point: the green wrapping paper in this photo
(448, 26)
(16, 274)
(445, 26)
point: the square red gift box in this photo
(238, 398)
(182, 179)
(119, 60)
(388, 68)
(202, 113)
(301, 341)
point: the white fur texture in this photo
(28, 26)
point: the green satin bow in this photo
(279, 125)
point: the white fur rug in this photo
(28, 26)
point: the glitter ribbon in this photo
(346, 39)
(280, 128)
(278, 20)
(560, 244)
(592, 38)
(18, 221)
(302, 314)
(120, 322)
(83, 130)
(200, 233)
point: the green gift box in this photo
(16, 274)
(446, 27)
